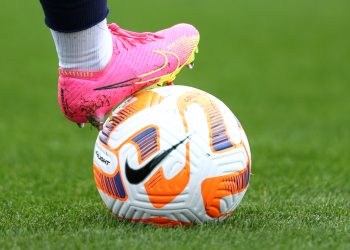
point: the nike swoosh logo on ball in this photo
(136, 176)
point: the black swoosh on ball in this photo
(135, 176)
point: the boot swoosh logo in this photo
(136, 176)
(129, 82)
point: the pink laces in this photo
(129, 39)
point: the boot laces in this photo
(127, 39)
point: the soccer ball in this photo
(172, 156)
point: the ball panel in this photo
(126, 110)
(216, 188)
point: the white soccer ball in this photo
(172, 156)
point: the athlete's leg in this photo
(80, 32)
(101, 65)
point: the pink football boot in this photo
(139, 60)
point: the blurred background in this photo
(281, 66)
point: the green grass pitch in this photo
(281, 66)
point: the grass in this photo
(281, 66)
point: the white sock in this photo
(89, 49)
